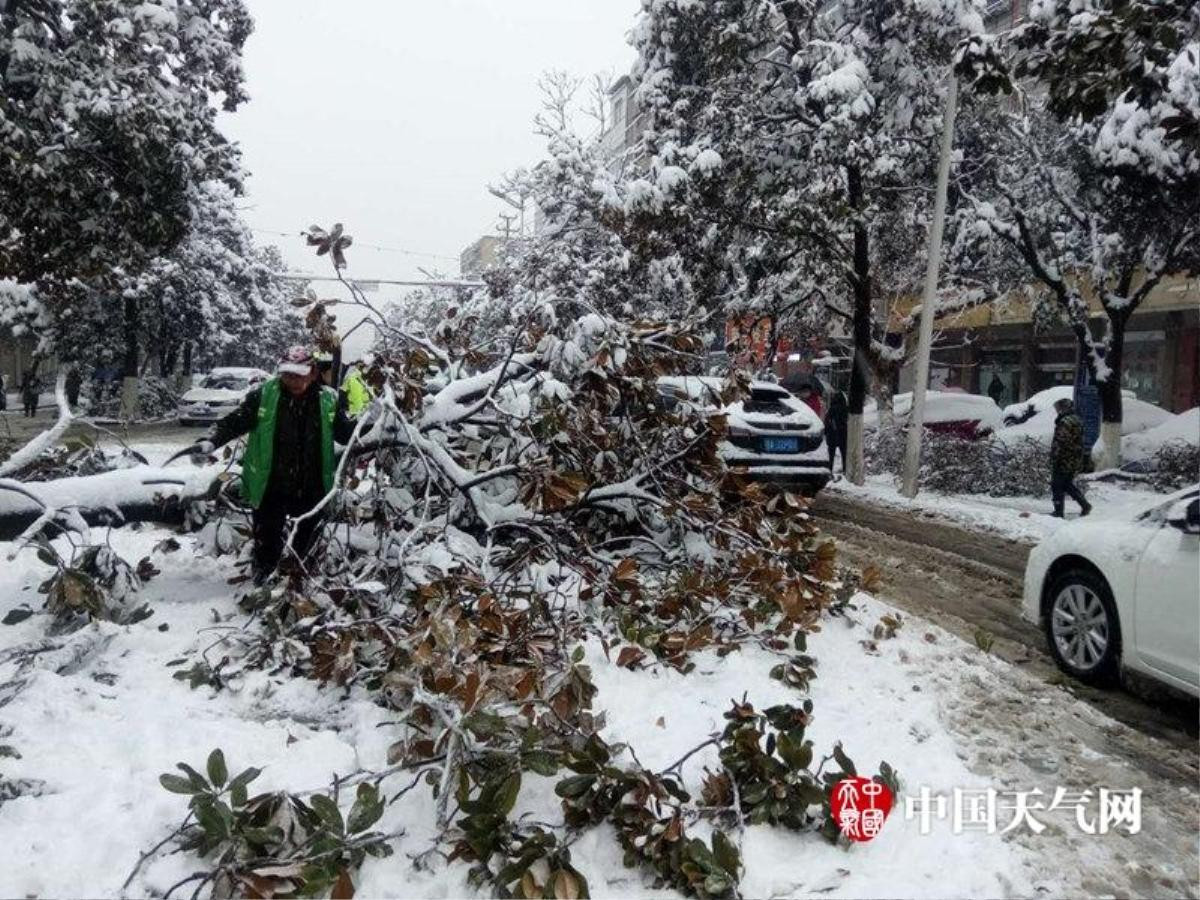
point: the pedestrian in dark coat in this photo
(1067, 459)
(74, 382)
(837, 423)
(3, 394)
(29, 393)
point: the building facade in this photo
(998, 350)
(481, 255)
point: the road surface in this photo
(968, 581)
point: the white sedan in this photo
(219, 393)
(1122, 594)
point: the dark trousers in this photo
(271, 530)
(31, 407)
(836, 442)
(1062, 485)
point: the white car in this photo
(219, 394)
(775, 437)
(1122, 594)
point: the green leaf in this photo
(211, 820)
(801, 641)
(217, 772)
(575, 786)
(329, 813)
(843, 760)
(726, 854)
(237, 795)
(542, 762)
(244, 778)
(506, 796)
(17, 615)
(367, 809)
(175, 784)
(198, 781)
(797, 756)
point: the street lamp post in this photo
(916, 418)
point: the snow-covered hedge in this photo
(951, 465)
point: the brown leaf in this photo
(626, 570)
(566, 886)
(630, 657)
(470, 691)
(343, 888)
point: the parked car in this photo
(219, 393)
(774, 436)
(1112, 594)
(953, 412)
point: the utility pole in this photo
(507, 228)
(916, 418)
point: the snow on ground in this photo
(1020, 518)
(98, 716)
(1184, 427)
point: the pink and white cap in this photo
(296, 361)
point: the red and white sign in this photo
(860, 806)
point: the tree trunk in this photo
(129, 369)
(861, 284)
(1111, 400)
(885, 397)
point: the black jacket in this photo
(837, 419)
(296, 462)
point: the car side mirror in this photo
(1185, 515)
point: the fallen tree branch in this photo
(47, 439)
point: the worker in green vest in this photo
(292, 421)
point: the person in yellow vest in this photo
(292, 421)
(357, 392)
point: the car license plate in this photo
(781, 444)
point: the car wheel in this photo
(1082, 627)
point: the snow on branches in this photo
(107, 115)
(516, 490)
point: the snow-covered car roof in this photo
(705, 390)
(1138, 414)
(942, 406)
(240, 371)
(705, 387)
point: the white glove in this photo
(201, 451)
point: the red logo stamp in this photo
(860, 806)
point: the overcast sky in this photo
(392, 116)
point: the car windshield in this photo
(226, 383)
(1158, 514)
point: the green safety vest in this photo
(260, 445)
(358, 395)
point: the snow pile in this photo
(1035, 417)
(1183, 428)
(96, 717)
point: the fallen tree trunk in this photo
(143, 494)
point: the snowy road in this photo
(964, 581)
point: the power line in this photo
(295, 234)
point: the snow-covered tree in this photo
(214, 293)
(820, 127)
(108, 114)
(1097, 188)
